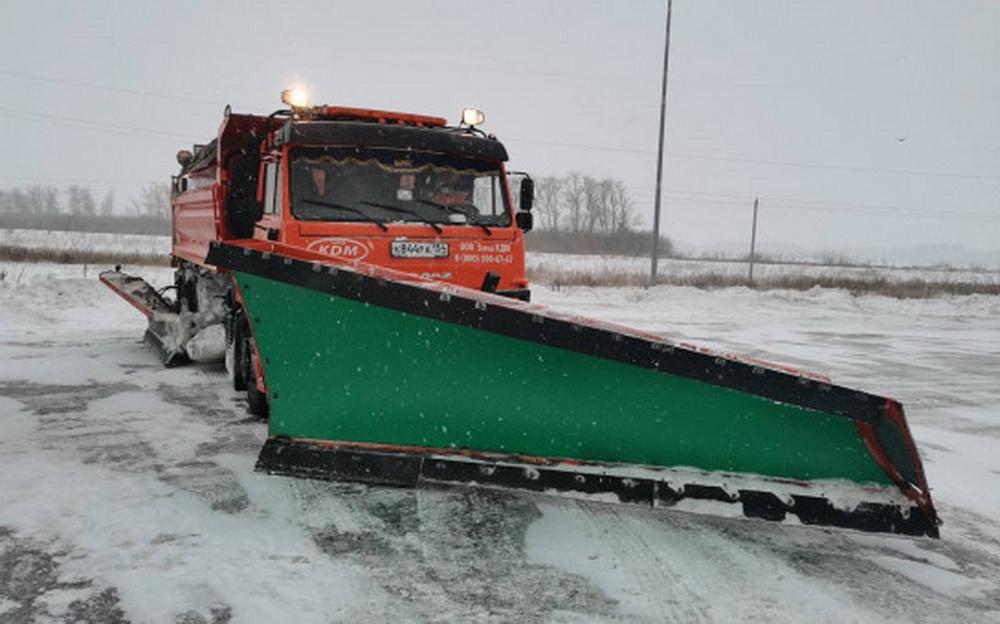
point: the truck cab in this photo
(398, 190)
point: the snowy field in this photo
(127, 490)
(552, 266)
(555, 265)
(86, 241)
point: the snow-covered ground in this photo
(127, 489)
(555, 265)
(552, 266)
(86, 241)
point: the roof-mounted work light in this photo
(473, 117)
(296, 98)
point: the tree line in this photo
(574, 213)
(76, 207)
(578, 213)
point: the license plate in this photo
(417, 249)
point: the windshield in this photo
(385, 186)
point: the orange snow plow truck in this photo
(362, 273)
(347, 185)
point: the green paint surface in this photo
(342, 370)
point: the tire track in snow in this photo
(455, 553)
(863, 568)
(116, 426)
(652, 575)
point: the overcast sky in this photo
(857, 123)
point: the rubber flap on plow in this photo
(381, 377)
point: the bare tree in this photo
(36, 200)
(548, 201)
(575, 198)
(154, 201)
(600, 216)
(80, 201)
(19, 204)
(108, 204)
(14, 202)
(73, 208)
(50, 201)
(620, 208)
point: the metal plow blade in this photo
(160, 313)
(378, 376)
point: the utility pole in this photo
(659, 152)
(753, 239)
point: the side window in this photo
(277, 188)
(272, 188)
(486, 196)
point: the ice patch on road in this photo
(944, 582)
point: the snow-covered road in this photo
(127, 490)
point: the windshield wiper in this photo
(368, 217)
(437, 228)
(451, 210)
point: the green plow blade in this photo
(378, 376)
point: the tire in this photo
(241, 356)
(256, 401)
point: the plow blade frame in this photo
(380, 376)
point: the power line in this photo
(39, 180)
(109, 88)
(849, 168)
(757, 161)
(437, 66)
(834, 89)
(597, 148)
(677, 194)
(412, 64)
(916, 214)
(721, 200)
(743, 199)
(679, 155)
(88, 124)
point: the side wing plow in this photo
(162, 314)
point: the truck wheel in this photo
(241, 355)
(256, 400)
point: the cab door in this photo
(269, 226)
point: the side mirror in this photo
(525, 221)
(527, 194)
